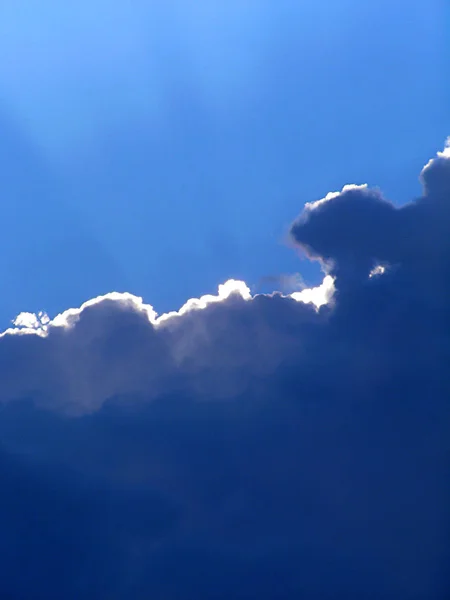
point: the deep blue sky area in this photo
(161, 148)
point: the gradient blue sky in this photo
(161, 148)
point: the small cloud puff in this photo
(319, 295)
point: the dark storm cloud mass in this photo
(357, 229)
(247, 447)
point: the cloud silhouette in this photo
(262, 446)
(357, 229)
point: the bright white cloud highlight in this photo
(38, 324)
(319, 295)
(350, 186)
(230, 287)
(444, 154)
(378, 270)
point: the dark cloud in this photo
(357, 229)
(244, 447)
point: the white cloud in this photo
(28, 320)
(444, 154)
(331, 195)
(40, 324)
(319, 295)
(225, 290)
(378, 270)
(123, 300)
(446, 151)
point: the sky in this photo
(161, 148)
(225, 329)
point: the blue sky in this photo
(162, 148)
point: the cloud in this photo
(319, 295)
(266, 446)
(356, 229)
(83, 359)
(435, 174)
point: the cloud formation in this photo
(262, 446)
(357, 229)
(70, 365)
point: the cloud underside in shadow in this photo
(262, 446)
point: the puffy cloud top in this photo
(356, 229)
